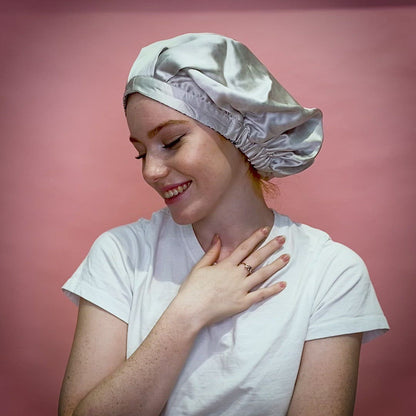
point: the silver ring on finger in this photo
(247, 267)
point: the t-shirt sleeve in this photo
(104, 278)
(345, 300)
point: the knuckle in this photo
(253, 260)
(262, 296)
(269, 269)
(245, 246)
(279, 263)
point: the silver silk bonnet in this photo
(221, 84)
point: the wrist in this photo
(187, 318)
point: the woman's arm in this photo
(98, 349)
(327, 378)
(100, 381)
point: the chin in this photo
(185, 217)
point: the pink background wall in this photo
(68, 172)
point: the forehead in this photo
(146, 112)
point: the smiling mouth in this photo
(176, 191)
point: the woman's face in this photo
(196, 171)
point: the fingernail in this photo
(285, 258)
(214, 239)
(281, 239)
(266, 230)
(282, 284)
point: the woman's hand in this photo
(98, 379)
(214, 291)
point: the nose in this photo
(154, 168)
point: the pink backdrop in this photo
(68, 172)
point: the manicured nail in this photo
(285, 258)
(214, 239)
(281, 239)
(282, 284)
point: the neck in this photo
(234, 225)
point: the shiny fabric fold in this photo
(220, 83)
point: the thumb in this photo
(212, 254)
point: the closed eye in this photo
(170, 145)
(173, 143)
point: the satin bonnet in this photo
(220, 83)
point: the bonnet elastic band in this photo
(220, 83)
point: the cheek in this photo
(210, 158)
(194, 160)
(208, 166)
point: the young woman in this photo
(217, 305)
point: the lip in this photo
(175, 185)
(175, 198)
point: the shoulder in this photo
(141, 226)
(331, 281)
(302, 233)
(136, 236)
(322, 254)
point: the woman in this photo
(217, 305)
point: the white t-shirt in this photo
(247, 364)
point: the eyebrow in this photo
(156, 130)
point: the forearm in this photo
(99, 381)
(143, 383)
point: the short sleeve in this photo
(345, 300)
(104, 278)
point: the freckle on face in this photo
(204, 157)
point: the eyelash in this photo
(165, 146)
(173, 143)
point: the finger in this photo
(259, 256)
(248, 245)
(211, 256)
(264, 273)
(265, 292)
